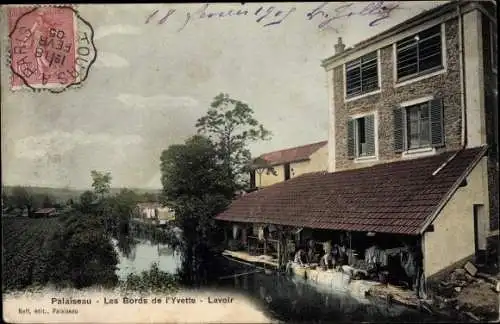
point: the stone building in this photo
(423, 87)
(412, 147)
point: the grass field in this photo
(23, 242)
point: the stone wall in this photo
(445, 86)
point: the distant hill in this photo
(63, 194)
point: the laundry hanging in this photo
(235, 231)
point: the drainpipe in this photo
(463, 97)
(462, 75)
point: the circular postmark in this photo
(51, 48)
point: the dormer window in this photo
(361, 75)
(420, 54)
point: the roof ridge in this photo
(294, 147)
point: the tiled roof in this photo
(293, 154)
(398, 197)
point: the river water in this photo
(280, 297)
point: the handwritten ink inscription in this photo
(265, 15)
(325, 14)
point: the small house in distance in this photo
(274, 167)
(155, 212)
(45, 212)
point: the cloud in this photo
(107, 59)
(156, 102)
(116, 29)
(56, 143)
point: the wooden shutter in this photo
(437, 129)
(350, 139)
(370, 135)
(398, 129)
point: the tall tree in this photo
(195, 186)
(231, 125)
(101, 182)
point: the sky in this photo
(152, 81)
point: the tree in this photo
(22, 197)
(149, 197)
(101, 182)
(79, 254)
(122, 206)
(87, 198)
(230, 124)
(196, 187)
(47, 201)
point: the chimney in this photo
(339, 47)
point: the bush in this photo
(152, 280)
(80, 255)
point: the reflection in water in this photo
(141, 254)
(290, 299)
(280, 297)
(126, 246)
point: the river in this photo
(280, 297)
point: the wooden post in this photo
(350, 249)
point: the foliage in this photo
(87, 199)
(195, 186)
(101, 182)
(48, 201)
(80, 255)
(22, 197)
(230, 124)
(120, 209)
(148, 197)
(152, 280)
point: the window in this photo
(361, 137)
(494, 46)
(419, 53)
(418, 126)
(361, 75)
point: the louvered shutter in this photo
(350, 139)
(398, 129)
(370, 135)
(437, 129)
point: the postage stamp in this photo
(51, 48)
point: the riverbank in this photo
(473, 295)
(461, 296)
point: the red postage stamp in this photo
(51, 48)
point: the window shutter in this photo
(437, 129)
(398, 129)
(370, 135)
(350, 139)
